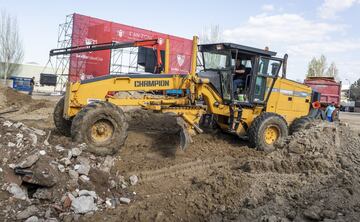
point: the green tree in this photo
(318, 67)
(355, 91)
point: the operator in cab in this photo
(239, 80)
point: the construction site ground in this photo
(312, 176)
(352, 118)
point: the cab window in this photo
(268, 69)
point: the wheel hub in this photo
(271, 134)
(101, 131)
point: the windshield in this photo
(217, 60)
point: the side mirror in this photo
(284, 65)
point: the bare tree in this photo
(211, 34)
(332, 71)
(318, 67)
(11, 49)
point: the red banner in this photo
(88, 30)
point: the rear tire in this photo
(267, 129)
(102, 126)
(300, 124)
(62, 125)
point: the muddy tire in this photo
(300, 124)
(102, 126)
(62, 125)
(267, 129)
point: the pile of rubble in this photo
(44, 178)
(314, 175)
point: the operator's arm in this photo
(240, 71)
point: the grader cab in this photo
(238, 86)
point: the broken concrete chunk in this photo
(42, 152)
(59, 148)
(84, 178)
(42, 194)
(18, 124)
(32, 219)
(108, 164)
(42, 174)
(28, 161)
(83, 146)
(73, 174)
(83, 160)
(7, 123)
(87, 193)
(83, 204)
(19, 140)
(61, 168)
(112, 184)
(75, 152)
(65, 161)
(28, 212)
(124, 200)
(38, 131)
(16, 191)
(82, 169)
(34, 139)
(110, 203)
(134, 179)
(48, 213)
(11, 144)
(312, 213)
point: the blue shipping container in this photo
(21, 83)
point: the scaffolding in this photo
(123, 60)
(62, 62)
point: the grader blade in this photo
(185, 137)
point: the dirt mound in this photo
(18, 100)
(19, 106)
(12, 97)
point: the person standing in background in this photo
(329, 112)
(32, 84)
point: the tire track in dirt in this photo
(187, 169)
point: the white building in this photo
(34, 70)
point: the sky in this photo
(301, 28)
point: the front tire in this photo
(62, 125)
(267, 129)
(102, 126)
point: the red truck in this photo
(329, 89)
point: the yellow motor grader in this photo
(239, 86)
